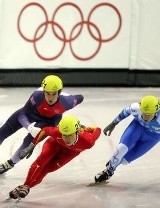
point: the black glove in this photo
(27, 152)
(108, 130)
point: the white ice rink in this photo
(134, 186)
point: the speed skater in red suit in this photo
(66, 142)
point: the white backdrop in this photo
(118, 34)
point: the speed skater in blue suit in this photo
(142, 134)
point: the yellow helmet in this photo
(149, 104)
(52, 83)
(69, 125)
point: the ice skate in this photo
(4, 167)
(19, 192)
(103, 176)
(14, 194)
(24, 191)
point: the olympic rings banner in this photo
(70, 34)
(65, 34)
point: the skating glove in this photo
(27, 152)
(33, 130)
(91, 128)
(108, 130)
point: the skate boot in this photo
(104, 175)
(15, 193)
(4, 167)
(24, 191)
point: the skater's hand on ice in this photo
(27, 152)
(108, 130)
(33, 130)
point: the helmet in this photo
(69, 125)
(52, 83)
(149, 104)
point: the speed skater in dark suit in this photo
(142, 134)
(67, 141)
(44, 108)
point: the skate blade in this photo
(8, 199)
(13, 200)
(103, 183)
(3, 174)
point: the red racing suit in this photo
(55, 153)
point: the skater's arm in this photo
(70, 101)
(132, 109)
(46, 131)
(122, 115)
(92, 134)
(27, 152)
(29, 109)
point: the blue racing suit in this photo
(138, 138)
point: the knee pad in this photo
(124, 162)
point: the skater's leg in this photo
(128, 140)
(9, 164)
(50, 151)
(142, 146)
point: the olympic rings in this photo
(60, 33)
(34, 42)
(19, 18)
(54, 16)
(119, 17)
(99, 45)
